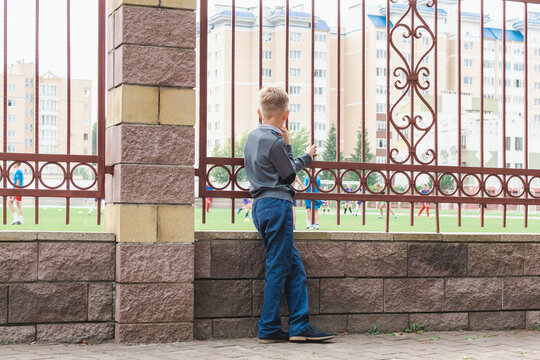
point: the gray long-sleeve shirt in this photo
(270, 165)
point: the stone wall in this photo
(56, 287)
(357, 280)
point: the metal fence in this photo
(408, 80)
(67, 163)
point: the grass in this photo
(220, 219)
(54, 219)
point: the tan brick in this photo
(180, 4)
(115, 4)
(132, 104)
(132, 223)
(177, 107)
(176, 224)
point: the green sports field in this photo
(54, 219)
(220, 219)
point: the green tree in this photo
(446, 183)
(299, 141)
(357, 155)
(330, 145)
(219, 175)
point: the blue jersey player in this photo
(18, 181)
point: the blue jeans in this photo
(273, 219)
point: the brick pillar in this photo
(151, 146)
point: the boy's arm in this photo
(287, 166)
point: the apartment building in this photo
(21, 109)
(353, 99)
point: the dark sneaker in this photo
(312, 334)
(279, 336)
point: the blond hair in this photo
(273, 101)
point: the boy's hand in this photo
(286, 135)
(312, 151)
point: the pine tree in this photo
(357, 155)
(330, 146)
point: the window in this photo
(519, 166)
(467, 45)
(11, 148)
(425, 40)
(319, 108)
(537, 52)
(294, 72)
(406, 40)
(381, 35)
(48, 90)
(488, 64)
(294, 37)
(320, 73)
(267, 37)
(426, 60)
(11, 118)
(49, 105)
(518, 83)
(381, 54)
(267, 73)
(267, 55)
(518, 144)
(536, 85)
(489, 81)
(537, 118)
(467, 62)
(28, 142)
(29, 127)
(86, 92)
(217, 73)
(29, 82)
(467, 80)
(217, 107)
(294, 90)
(294, 126)
(519, 67)
(381, 71)
(320, 37)
(537, 102)
(381, 125)
(508, 143)
(11, 102)
(381, 143)
(537, 68)
(11, 133)
(295, 108)
(294, 54)
(380, 108)
(381, 90)
(85, 136)
(29, 98)
(380, 159)
(86, 121)
(319, 55)
(217, 38)
(216, 126)
(12, 87)
(318, 91)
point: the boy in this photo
(383, 204)
(316, 206)
(246, 207)
(18, 182)
(425, 191)
(271, 169)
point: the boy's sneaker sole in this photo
(270, 341)
(307, 338)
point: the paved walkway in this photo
(443, 345)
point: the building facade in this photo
(53, 112)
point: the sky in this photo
(53, 38)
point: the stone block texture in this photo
(56, 287)
(151, 140)
(355, 284)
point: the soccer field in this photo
(54, 219)
(220, 219)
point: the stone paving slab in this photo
(431, 345)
